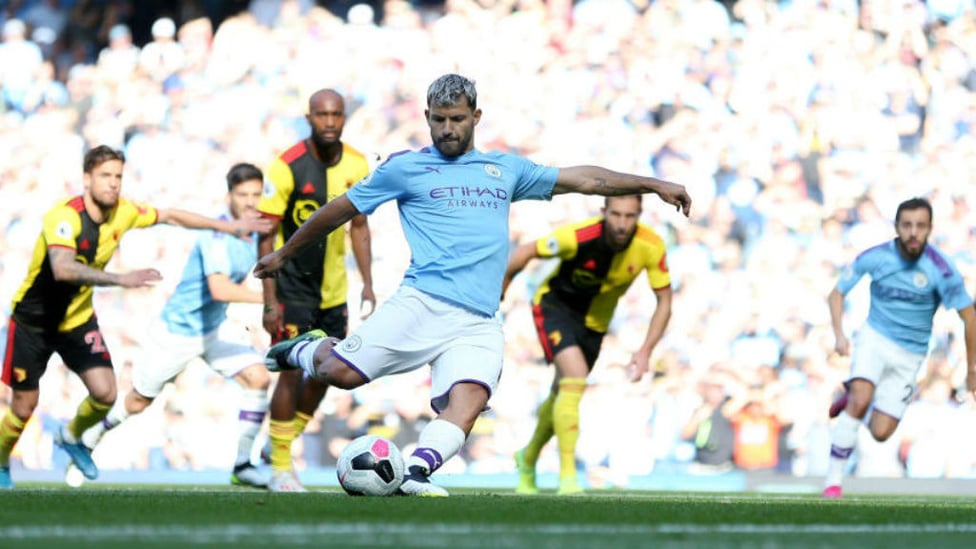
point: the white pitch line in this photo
(229, 533)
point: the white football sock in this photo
(116, 415)
(842, 442)
(254, 406)
(439, 441)
(303, 356)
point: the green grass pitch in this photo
(42, 516)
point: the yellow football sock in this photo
(565, 421)
(89, 412)
(281, 433)
(543, 431)
(300, 421)
(10, 429)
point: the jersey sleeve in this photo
(952, 290)
(145, 215)
(278, 186)
(61, 228)
(215, 253)
(853, 272)
(658, 275)
(535, 182)
(561, 243)
(384, 184)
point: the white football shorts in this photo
(227, 350)
(412, 329)
(890, 367)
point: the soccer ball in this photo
(370, 466)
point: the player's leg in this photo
(100, 382)
(843, 438)
(228, 352)
(254, 381)
(443, 438)
(30, 351)
(464, 373)
(281, 431)
(867, 364)
(12, 424)
(526, 458)
(571, 375)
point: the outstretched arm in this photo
(520, 258)
(326, 219)
(597, 180)
(239, 227)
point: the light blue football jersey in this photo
(454, 213)
(906, 294)
(192, 310)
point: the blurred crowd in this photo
(797, 125)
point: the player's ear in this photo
(477, 116)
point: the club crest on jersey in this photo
(920, 280)
(352, 344)
(493, 170)
(303, 210)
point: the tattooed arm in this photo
(596, 180)
(67, 269)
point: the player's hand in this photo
(842, 346)
(140, 278)
(367, 302)
(637, 367)
(248, 224)
(676, 195)
(269, 265)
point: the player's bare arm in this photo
(520, 258)
(326, 219)
(222, 288)
(361, 240)
(271, 316)
(968, 315)
(835, 302)
(601, 181)
(66, 268)
(240, 228)
(639, 362)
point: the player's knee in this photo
(104, 395)
(255, 376)
(337, 374)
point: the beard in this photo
(907, 253)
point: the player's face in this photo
(452, 127)
(913, 227)
(244, 198)
(104, 184)
(326, 117)
(621, 214)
